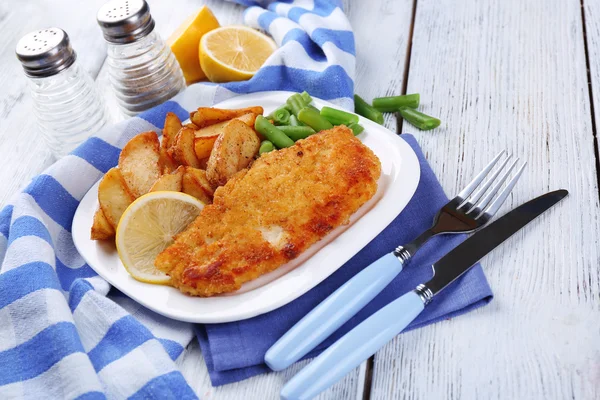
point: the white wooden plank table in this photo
(521, 76)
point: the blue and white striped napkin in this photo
(64, 333)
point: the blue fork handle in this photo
(353, 348)
(333, 312)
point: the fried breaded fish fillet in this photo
(267, 215)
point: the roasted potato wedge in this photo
(234, 149)
(196, 184)
(166, 162)
(101, 228)
(114, 196)
(203, 146)
(212, 130)
(191, 125)
(248, 119)
(169, 182)
(206, 137)
(139, 164)
(170, 130)
(183, 149)
(206, 116)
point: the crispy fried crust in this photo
(267, 215)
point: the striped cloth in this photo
(64, 333)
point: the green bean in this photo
(395, 103)
(306, 97)
(338, 117)
(294, 120)
(284, 107)
(313, 119)
(363, 108)
(295, 103)
(418, 119)
(281, 116)
(356, 128)
(272, 133)
(297, 132)
(265, 147)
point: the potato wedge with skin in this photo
(203, 146)
(191, 125)
(206, 137)
(196, 184)
(215, 129)
(248, 119)
(212, 130)
(139, 162)
(183, 149)
(169, 182)
(166, 162)
(114, 196)
(171, 128)
(206, 116)
(234, 150)
(101, 228)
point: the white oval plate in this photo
(400, 176)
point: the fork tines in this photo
(479, 199)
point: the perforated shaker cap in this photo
(45, 52)
(125, 21)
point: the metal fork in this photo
(473, 208)
(470, 209)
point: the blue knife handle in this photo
(353, 348)
(333, 312)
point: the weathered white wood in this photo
(501, 74)
(591, 14)
(510, 75)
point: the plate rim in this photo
(413, 180)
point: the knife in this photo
(370, 335)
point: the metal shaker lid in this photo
(45, 52)
(125, 21)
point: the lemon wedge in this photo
(185, 41)
(234, 53)
(148, 226)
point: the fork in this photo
(470, 210)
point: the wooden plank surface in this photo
(500, 75)
(510, 75)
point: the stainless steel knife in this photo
(369, 336)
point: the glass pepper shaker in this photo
(66, 103)
(142, 69)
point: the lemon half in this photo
(148, 226)
(234, 53)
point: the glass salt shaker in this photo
(142, 69)
(66, 103)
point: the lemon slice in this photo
(148, 226)
(234, 53)
(185, 41)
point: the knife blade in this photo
(374, 332)
(462, 257)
